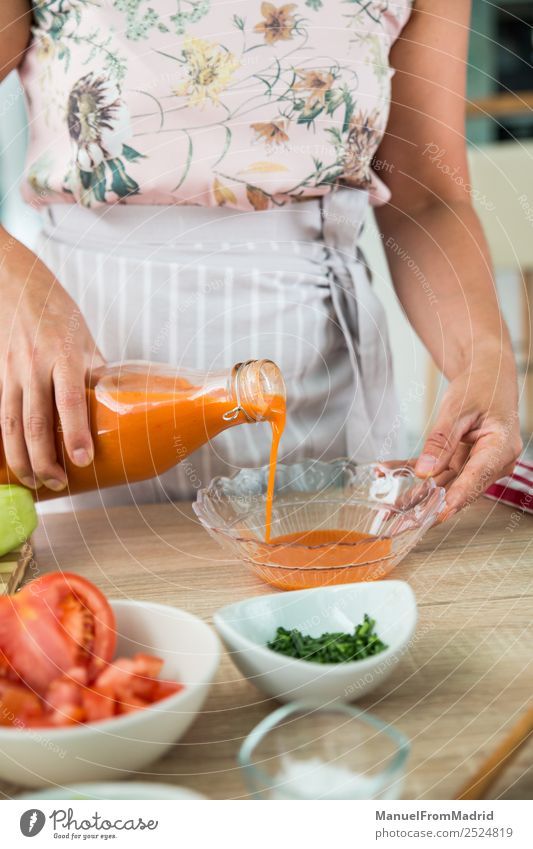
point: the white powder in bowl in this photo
(317, 779)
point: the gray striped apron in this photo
(208, 287)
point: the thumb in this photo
(440, 446)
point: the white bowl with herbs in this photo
(323, 645)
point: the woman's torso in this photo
(241, 104)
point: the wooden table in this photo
(464, 681)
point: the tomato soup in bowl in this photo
(332, 522)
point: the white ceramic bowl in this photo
(247, 626)
(109, 749)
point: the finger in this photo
(460, 458)
(440, 445)
(488, 461)
(442, 478)
(71, 403)
(15, 451)
(455, 466)
(445, 478)
(38, 417)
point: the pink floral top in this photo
(244, 103)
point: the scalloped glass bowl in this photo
(392, 506)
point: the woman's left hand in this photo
(476, 438)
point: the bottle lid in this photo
(259, 391)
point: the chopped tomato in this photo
(18, 705)
(97, 704)
(117, 678)
(130, 679)
(55, 623)
(133, 682)
(146, 668)
(63, 701)
(69, 700)
(131, 704)
(147, 665)
(165, 689)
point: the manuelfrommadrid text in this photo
(429, 815)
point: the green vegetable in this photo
(329, 648)
(18, 518)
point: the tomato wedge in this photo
(57, 641)
(57, 622)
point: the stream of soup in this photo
(277, 423)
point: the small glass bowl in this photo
(392, 506)
(305, 752)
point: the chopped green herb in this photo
(329, 648)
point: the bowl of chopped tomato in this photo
(91, 689)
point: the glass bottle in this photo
(146, 417)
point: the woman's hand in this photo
(45, 351)
(476, 438)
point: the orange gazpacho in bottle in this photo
(147, 417)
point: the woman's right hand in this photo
(45, 352)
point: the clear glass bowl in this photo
(339, 752)
(393, 507)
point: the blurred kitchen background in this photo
(500, 137)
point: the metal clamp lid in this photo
(233, 414)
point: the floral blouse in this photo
(242, 104)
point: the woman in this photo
(204, 175)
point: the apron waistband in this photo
(336, 219)
(125, 226)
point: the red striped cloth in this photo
(516, 490)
